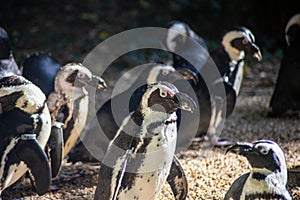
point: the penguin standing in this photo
(24, 125)
(267, 178)
(113, 112)
(285, 100)
(67, 100)
(139, 158)
(229, 59)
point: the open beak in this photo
(241, 148)
(185, 102)
(98, 82)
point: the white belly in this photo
(156, 167)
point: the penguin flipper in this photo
(30, 152)
(177, 180)
(236, 189)
(55, 144)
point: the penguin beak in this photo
(188, 75)
(174, 76)
(254, 50)
(241, 148)
(185, 102)
(98, 82)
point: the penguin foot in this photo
(66, 176)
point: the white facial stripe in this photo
(176, 29)
(234, 53)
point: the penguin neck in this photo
(73, 93)
(279, 174)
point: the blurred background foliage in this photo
(70, 29)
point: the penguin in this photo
(25, 125)
(139, 158)
(229, 59)
(67, 100)
(110, 123)
(68, 104)
(267, 178)
(285, 100)
(8, 65)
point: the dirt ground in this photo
(210, 172)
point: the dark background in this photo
(70, 29)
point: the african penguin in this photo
(8, 65)
(110, 123)
(267, 178)
(25, 125)
(285, 100)
(139, 158)
(229, 59)
(67, 100)
(68, 104)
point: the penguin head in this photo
(239, 41)
(5, 45)
(176, 38)
(41, 69)
(74, 78)
(292, 31)
(263, 156)
(164, 98)
(162, 72)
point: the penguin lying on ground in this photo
(24, 125)
(229, 59)
(285, 100)
(67, 100)
(267, 178)
(139, 158)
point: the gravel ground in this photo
(210, 172)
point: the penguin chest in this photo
(76, 124)
(237, 82)
(155, 166)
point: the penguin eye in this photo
(245, 41)
(80, 75)
(163, 94)
(165, 72)
(263, 150)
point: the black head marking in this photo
(163, 101)
(72, 77)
